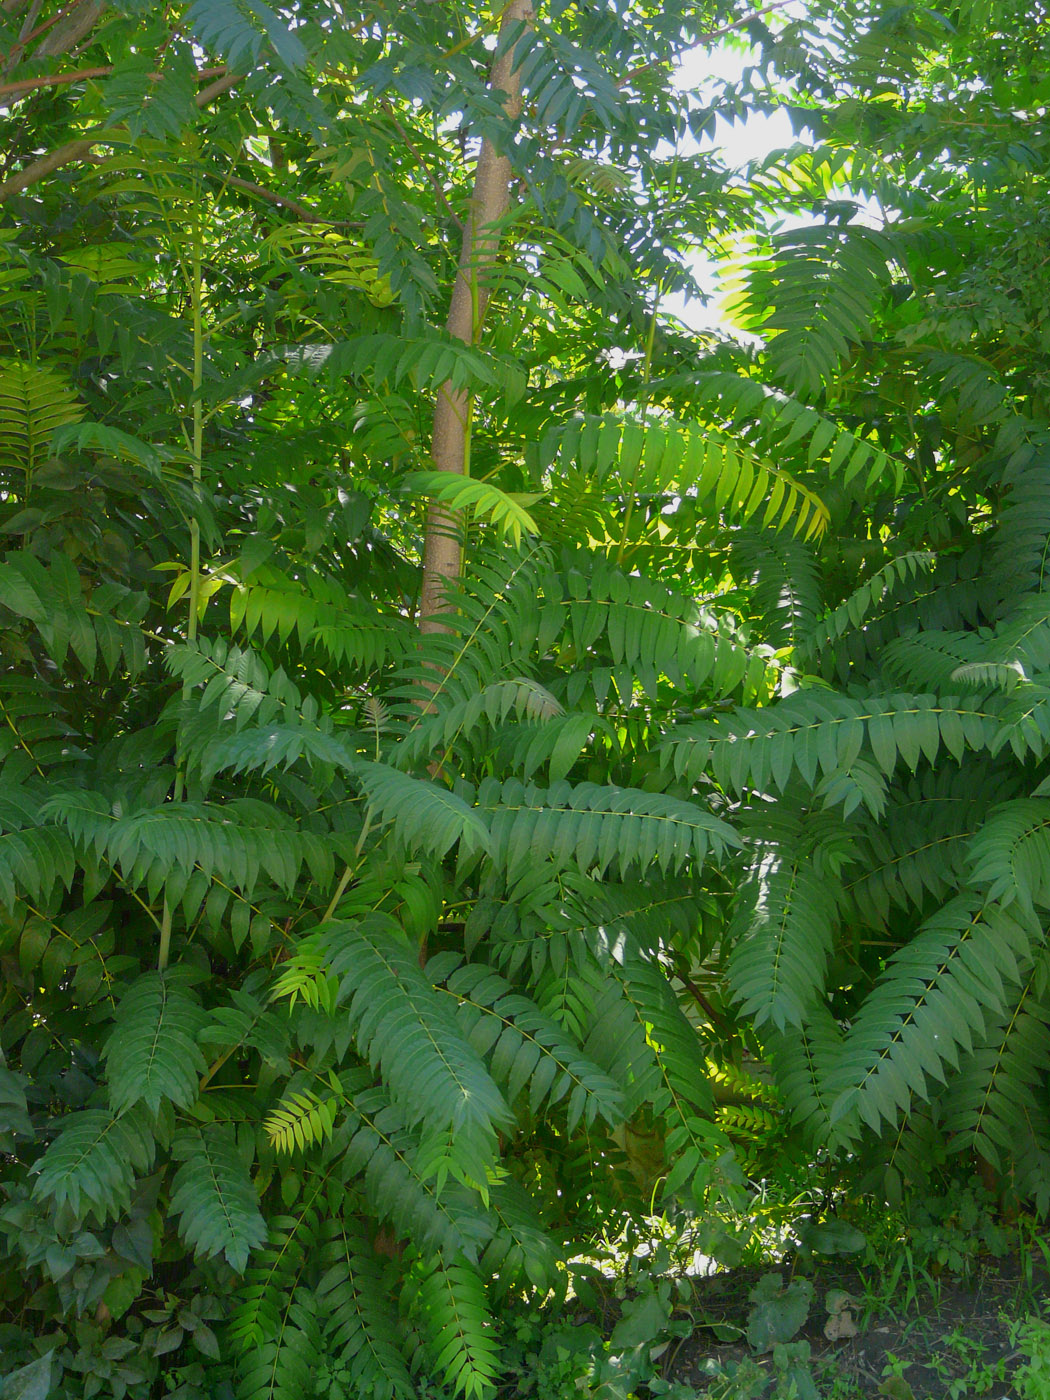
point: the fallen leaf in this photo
(897, 1388)
(839, 1325)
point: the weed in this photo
(1031, 1247)
(1032, 1379)
(778, 1310)
(735, 1380)
(895, 1366)
(895, 1279)
(979, 1374)
(949, 1233)
(793, 1376)
(790, 1377)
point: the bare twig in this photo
(216, 89)
(80, 75)
(760, 13)
(702, 1001)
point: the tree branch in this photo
(78, 150)
(216, 89)
(81, 75)
(413, 150)
(307, 216)
(80, 20)
(702, 1001)
(54, 160)
(28, 25)
(29, 33)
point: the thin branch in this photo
(167, 42)
(739, 23)
(217, 88)
(705, 39)
(27, 26)
(413, 150)
(24, 39)
(702, 1001)
(81, 75)
(304, 214)
(80, 150)
(299, 210)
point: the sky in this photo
(740, 143)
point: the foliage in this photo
(778, 1310)
(916, 917)
(356, 979)
(1033, 1376)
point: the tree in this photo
(286, 990)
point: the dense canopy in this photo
(479, 759)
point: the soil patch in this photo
(945, 1338)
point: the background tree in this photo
(922, 717)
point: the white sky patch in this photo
(738, 143)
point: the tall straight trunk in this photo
(442, 555)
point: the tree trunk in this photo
(489, 203)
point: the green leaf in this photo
(527, 1051)
(223, 27)
(459, 1329)
(92, 1163)
(32, 1382)
(644, 1319)
(599, 826)
(423, 814)
(830, 1237)
(778, 1311)
(483, 499)
(409, 1033)
(103, 438)
(213, 1193)
(34, 401)
(152, 1052)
